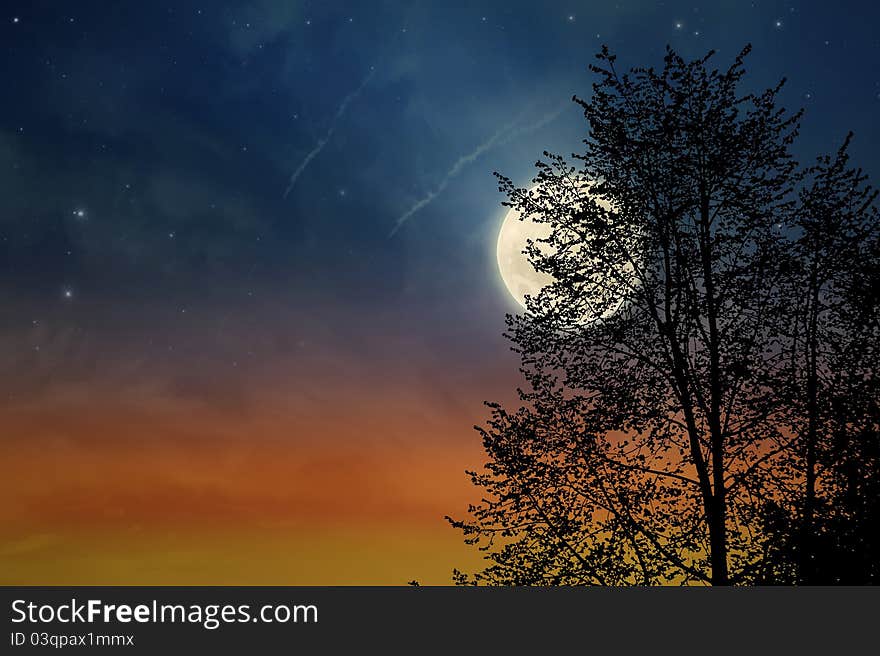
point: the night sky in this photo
(250, 303)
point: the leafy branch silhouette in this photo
(702, 400)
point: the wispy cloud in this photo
(505, 135)
(340, 112)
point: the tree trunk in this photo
(805, 552)
(718, 517)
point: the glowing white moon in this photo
(517, 272)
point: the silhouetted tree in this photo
(664, 435)
(831, 346)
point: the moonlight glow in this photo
(517, 272)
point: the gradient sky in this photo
(209, 380)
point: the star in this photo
(679, 25)
(571, 18)
(15, 19)
(778, 24)
(68, 293)
(80, 214)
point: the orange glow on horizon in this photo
(155, 491)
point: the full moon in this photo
(517, 272)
